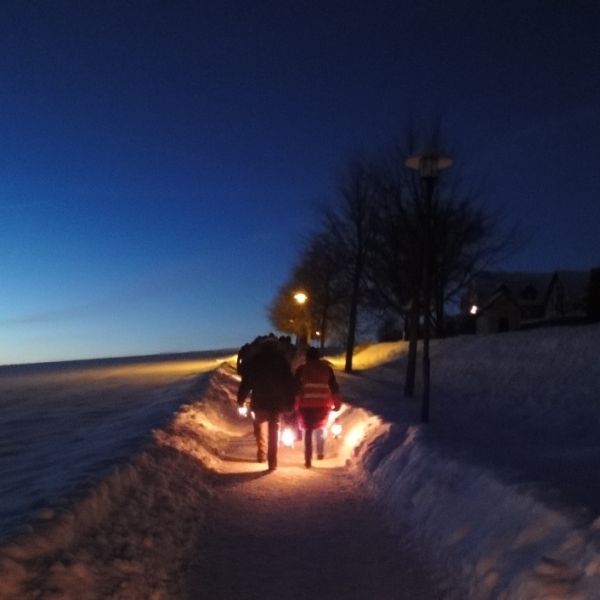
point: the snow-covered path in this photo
(299, 533)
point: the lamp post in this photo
(428, 166)
(301, 299)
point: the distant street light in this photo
(301, 299)
(428, 166)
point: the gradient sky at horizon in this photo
(160, 160)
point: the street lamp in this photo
(428, 165)
(301, 299)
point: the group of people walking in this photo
(310, 392)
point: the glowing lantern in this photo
(336, 429)
(288, 437)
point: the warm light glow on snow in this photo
(168, 368)
(371, 356)
(355, 435)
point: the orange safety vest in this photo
(315, 392)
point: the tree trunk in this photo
(324, 324)
(411, 363)
(353, 316)
(440, 320)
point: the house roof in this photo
(500, 292)
(525, 288)
(528, 289)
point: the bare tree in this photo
(462, 238)
(372, 249)
(319, 273)
(350, 225)
(395, 266)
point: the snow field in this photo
(131, 537)
(64, 426)
(500, 486)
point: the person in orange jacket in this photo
(317, 395)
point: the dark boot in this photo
(308, 448)
(273, 442)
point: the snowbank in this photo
(132, 535)
(512, 416)
(496, 541)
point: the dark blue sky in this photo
(159, 161)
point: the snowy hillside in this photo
(503, 484)
(525, 401)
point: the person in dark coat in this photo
(242, 356)
(318, 394)
(268, 377)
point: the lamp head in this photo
(300, 297)
(428, 164)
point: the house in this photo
(505, 301)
